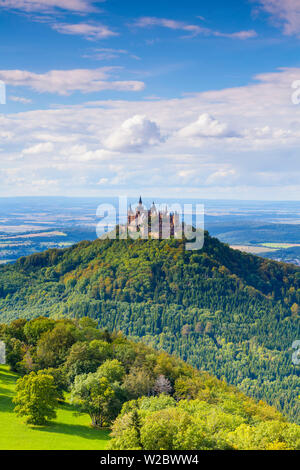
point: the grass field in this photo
(68, 432)
(279, 246)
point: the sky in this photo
(162, 98)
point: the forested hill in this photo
(233, 314)
(149, 399)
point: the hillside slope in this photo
(233, 314)
(68, 432)
(150, 400)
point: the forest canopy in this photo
(149, 399)
(223, 311)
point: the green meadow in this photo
(279, 246)
(69, 431)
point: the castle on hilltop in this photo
(153, 222)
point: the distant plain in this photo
(30, 225)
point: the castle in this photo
(153, 222)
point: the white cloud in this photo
(88, 30)
(206, 126)
(107, 53)
(81, 154)
(238, 35)
(77, 6)
(20, 99)
(191, 29)
(148, 21)
(44, 147)
(135, 134)
(284, 13)
(55, 138)
(6, 135)
(221, 176)
(269, 133)
(204, 162)
(65, 82)
(103, 181)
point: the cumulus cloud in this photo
(135, 134)
(269, 133)
(284, 13)
(190, 29)
(88, 30)
(261, 114)
(77, 6)
(65, 82)
(206, 126)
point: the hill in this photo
(230, 313)
(148, 398)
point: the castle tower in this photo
(153, 210)
(130, 215)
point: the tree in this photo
(35, 328)
(80, 360)
(87, 322)
(295, 309)
(162, 385)
(165, 365)
(15, 329)
(125, 353)
(60, 380)
(53, 346)
(112, 370)
(36, 398)
(138, 383)
(27, 364)
(101, 350)
(94, 396)
(185, 330)
(14, 353)
(160, 429)
(125, 433)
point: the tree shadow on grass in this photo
(70, 407)
(79, 430)
(6, 404)
(6, 392)
(8, 378)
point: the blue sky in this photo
(119, 97)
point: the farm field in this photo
(69, 431)
(279, 246)
(255, 250)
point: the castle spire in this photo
(140, 201)
(130, 211)
(153, 208)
